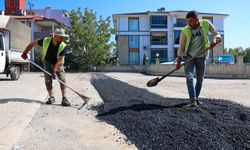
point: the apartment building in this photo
(147, 35)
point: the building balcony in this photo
(158, 46)
(159, 26)
(159, 43)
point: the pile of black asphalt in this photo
(151, 121)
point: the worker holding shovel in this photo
(53, 51)
(193, 40)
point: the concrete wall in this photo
(238, 70)
(122, 68)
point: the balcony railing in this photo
(159, 25)
(159, 43)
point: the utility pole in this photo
(31, 5)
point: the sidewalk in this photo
(19, 101)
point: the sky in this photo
(236, 25)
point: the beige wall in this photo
(123, 49)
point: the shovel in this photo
(155, 81)
(84, 98)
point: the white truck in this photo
(14, 37)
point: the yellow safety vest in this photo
(187, 31)
(45, 47)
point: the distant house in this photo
(41, 21)
(156, 34)
(60, 15)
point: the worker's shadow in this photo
(19, 100)
(6, 79)
(151, 121)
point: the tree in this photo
(88, 40)
(238, 51)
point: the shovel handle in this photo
(186, 62)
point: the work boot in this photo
(50, 100)
(199, 102)
(65, 102)
(192, 103)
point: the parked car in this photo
(171, 62)
(225, 59)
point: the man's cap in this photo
(60, 32)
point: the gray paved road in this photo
(29, 124)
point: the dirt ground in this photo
(124, 114)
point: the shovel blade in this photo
(153, 82)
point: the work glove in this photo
(178, 65)
(24, 56)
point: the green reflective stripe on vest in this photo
(45, 47)
(205, 29)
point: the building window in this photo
(159, 38)
(133, 41)
(177, 35)
(159, 21)
(180, 22)
(134, 50)
(133, 24)
(208, 18)
(163, 54)
(134, 58)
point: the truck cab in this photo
(2, 54)
(14, 37)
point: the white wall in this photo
(144, 41)
(218, 23)
(122, 23)
(171, 22)
(144, 23)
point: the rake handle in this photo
(48, 73)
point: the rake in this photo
(83, 97)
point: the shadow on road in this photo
(151, 121)
(3, 101)
(20, 100)
(6, 79)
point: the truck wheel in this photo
(15, 73)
